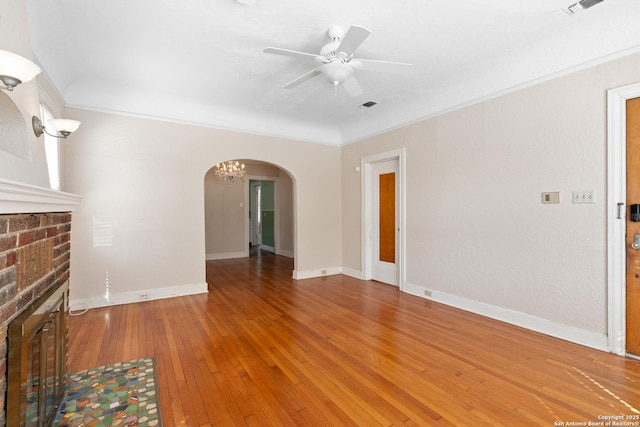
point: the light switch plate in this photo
(584, 196)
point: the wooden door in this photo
(387, 217)
(632, 338)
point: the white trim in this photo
(226, 255)
(366, 218)
(352, 272)
(328, 271)
(318, 272)
(493, 95)
(49, 95)
(252, 222)
(268, 248)
(276, 208)
(616, 193)
(544, 326)
(288, 254)
(17, 197)
(76, 304)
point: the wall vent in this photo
(580, 6)
(368, 104)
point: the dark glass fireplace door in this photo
(43, 385)
(36, 377)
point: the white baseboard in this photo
(227, 255)
(288, 254)
(352, 272)
(267, 248)
(329, 271)
(310, 274)
(544, 326)
(142, 295)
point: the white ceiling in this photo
(201, 61)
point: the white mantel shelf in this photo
(17, 197)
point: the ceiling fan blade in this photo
(287, 52)
(303, 78)
(353, 39)
(352, 87)
(384, 66)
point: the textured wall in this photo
(22, 156)
(145, 180)
(476, 228)
(13, 129)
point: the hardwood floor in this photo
(261, 349)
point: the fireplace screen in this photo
(37, 360)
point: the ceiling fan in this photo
(337, 63)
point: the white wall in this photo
(141, 227)
(477, 234)
(29, 167)
(285, 199)
(224, 218)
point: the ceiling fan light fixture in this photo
(337, 72)
(337, 61)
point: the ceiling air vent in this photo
(368, 104)
(581, 6)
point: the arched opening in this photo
(257, 211)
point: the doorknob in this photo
(636, 242)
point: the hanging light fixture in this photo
(64, 127)
(230, 171)
(14, 69)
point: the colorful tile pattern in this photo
(123, 394)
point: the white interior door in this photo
(385, 229)
(255, 222)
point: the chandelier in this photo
(230, 171)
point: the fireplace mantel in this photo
(17, 197)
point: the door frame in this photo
(276, 207)
(254, 222)
(366, 220)
(616, 221)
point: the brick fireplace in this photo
(35, 256)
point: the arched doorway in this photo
(229, 215)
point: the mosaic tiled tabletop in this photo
(122, 394)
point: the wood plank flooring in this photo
(261, 349)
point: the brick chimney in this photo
(35, 254)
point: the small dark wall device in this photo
(635, 213)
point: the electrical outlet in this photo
(143, 295)
(551, 197)
(427, 292)
(323, 272)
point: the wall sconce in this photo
(14, 69)
(64, 127)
